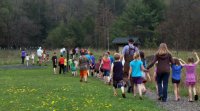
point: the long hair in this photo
(142, 55)
(136, 56)
(163, 49)
(105, 56)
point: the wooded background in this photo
(95, 23)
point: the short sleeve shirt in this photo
(23, 54)
(93, 59)
(106, 64)
(190, 72)
(136, 68)
(111, 59)
(54, 59)
(27, 58)
(176, 72)
(62, 60)
(39, 53)
(88, 57)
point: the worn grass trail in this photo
(172, 105)
(39, 89)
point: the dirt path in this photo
(172, 105)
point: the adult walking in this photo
(39, 54)
(164, 59)
(23, 55)
(127, 53)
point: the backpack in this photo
(129, 54)
(83, 62)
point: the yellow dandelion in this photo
(52, 102)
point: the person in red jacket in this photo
(61, 64)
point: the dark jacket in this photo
(163, 63)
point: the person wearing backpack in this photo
(83, 64)
(127, 54)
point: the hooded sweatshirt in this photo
(163, 63)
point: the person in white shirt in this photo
(27, 59)
(33, 58)
(39, 54)
(62, 51)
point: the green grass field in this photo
(40, 90)
(10, 57)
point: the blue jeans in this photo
(106, 73)
(162, 81)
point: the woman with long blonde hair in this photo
(163, 49)
(164, 59)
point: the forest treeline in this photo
(94, 23)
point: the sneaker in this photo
(81, 80)
(177, 99)
(196, 97)
(129, 89)
(144, 92)
(164, 100)
(115, 94)
(160, 98)
(190, 101)
(123, 95)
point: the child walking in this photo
(97, 67)
(23, 55)
(176, 77)
(74, 67)
(70, 62)
(65, 65)
(190, 80)
(154, 77)
(135, 71)
(54, 60)
(92, 64)
(83, 64)
(106, 65)
(61, 64)
(27, 59)
(117, 74)
(145, 75)
(33, 58)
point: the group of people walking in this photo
(135, 71)
(129, 69)
(42, 55)
(164, 62)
